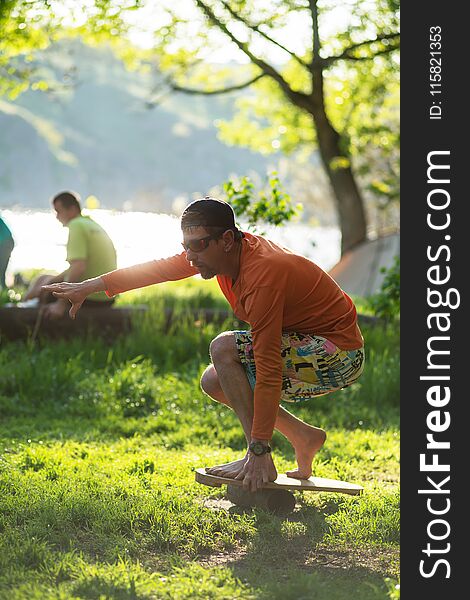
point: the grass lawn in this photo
(99, 443)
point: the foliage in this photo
(386, 303)
(272, 206)
(29, 26)
(24, 31)
(371, 130)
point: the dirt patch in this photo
(217, 504)
(219, 559)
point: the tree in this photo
(371, 34)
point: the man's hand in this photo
(68, 291)
(54, 310)
(256, 471)
(75, 293)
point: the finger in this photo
(265, 476)
(259, 480)
(246, 483)
(73, 311)
(61, 292)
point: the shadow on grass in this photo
(288, 559)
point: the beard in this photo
(206, 274)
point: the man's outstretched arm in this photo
(122, 280)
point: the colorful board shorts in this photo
(312, 365)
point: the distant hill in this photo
(100, 138)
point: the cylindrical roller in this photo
(275, 501)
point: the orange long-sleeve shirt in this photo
(276, 290)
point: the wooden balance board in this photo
(276, 496)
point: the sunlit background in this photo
(139, 237)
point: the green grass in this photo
(98, 449)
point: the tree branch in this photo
(233, 88)
(296, 97)
(346, 53)
(379, 53)
(267, 37)
(316, 45)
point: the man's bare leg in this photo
(234, 386)
(306, 439)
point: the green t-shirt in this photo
(89, 241)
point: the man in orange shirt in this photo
(304, 339)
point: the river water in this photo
(40, 239)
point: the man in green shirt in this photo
(90, 253)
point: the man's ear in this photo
(229, 240)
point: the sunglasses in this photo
(201, 243)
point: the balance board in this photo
(276, 496)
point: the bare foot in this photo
(305, 449)
(231, 469)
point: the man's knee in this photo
(210, 382)
(223, 348)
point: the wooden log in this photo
(22, 322)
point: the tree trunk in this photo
(349, 202)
